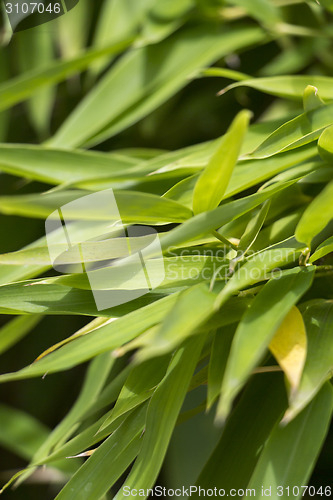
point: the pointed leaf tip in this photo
(311, 99)
(214, 180)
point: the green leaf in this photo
(96, 375)
(35, 51)
(169, 395)
(258, 267)
(108, 462)
(318, 367)
(89, 436)
(288, 86)
(218, 361)
(327, 4)
(246, 174)
(18, 89)
(324, 249)
(21, 433)
(13, 331)
(133, 207)
(193, 308)
(31, 297)
(208, 221)
(73, 29)
(297, 132)
(263, 402)
(104, 339)
(292, 451)
(316, 216)
(262, 10)
(213, 182)
(250, 234)
(311, 99)
(154, 20)
(292, 61)
(224, 73)
(325, 144)
(4, 116)
(57, 166)
(143, 79)
(257, 328)
(281, 229)
(139, 386)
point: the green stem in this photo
(224, 240)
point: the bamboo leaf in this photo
(143, 80)
(324, 249)
(20, 432)
(108, 462)
(289, 347)
(35, 51)
(218, 361)
(31, 297)
(106, 338)
(179, 324)
(260, 266)
(288, 86)
(316, 216)
(139, 386)
(297, 132)
(325, 144)
(256, 330)
(253, 228)
(208, 221)
(169, 395)
(318, 365)
(13, 331)
(246, 174)
(94, 381)
(262, 10)
(311, 99)
(213, 182)
(263, 402)
(292, 451)
(58, 166)
(133, 207)
(21, 88)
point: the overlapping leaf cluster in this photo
(254, 326)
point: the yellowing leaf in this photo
(84, 454)
(289, 347)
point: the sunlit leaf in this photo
(318, 365)
(311, 99)
(257, 328)
(289, 86)
(316, 217)
(289, 347)
(130, 99)
(214, 180)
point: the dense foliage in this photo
(122, 94)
